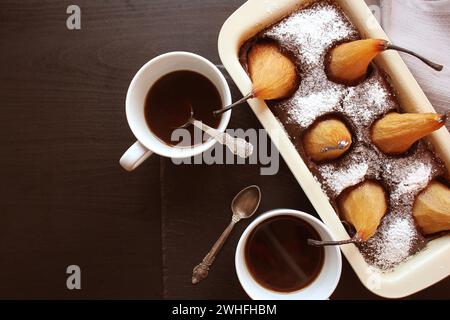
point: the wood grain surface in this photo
(64, 198)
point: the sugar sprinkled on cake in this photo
(320, 26)
(410, 175)
(306, 108)
(339, 180)
(369, 93)
(415, 179)
(393, 244)
(353, 169)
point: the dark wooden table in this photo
(64, 199)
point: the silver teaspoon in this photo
(237, 146)
(243, 206)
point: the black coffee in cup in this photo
(168, 103)
(278, 256)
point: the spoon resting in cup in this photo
(237, 146)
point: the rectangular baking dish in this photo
(419, 271)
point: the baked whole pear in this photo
(348, 63)
(363, 207)
(432, 209)
(395, 133)
(274, 75)
(327, 140)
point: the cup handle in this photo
(134, 156)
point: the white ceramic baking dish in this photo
(421, 270)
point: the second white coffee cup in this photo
(320, 289)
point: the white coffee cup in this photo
(147, 143)
(320, 289)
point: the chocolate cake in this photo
(307, 36)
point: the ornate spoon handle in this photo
(237, 146)
(201, 271)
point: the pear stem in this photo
(444, 117)
(435, 66)
(231, 106)
(319, 243)
(340, 146)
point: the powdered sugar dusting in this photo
(396, 242)
(306, 108)
(367, 101)
(345, 177)
(409, 175)
(415, 177)
(353, 169)
(320, 27)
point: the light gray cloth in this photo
(423, 26)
